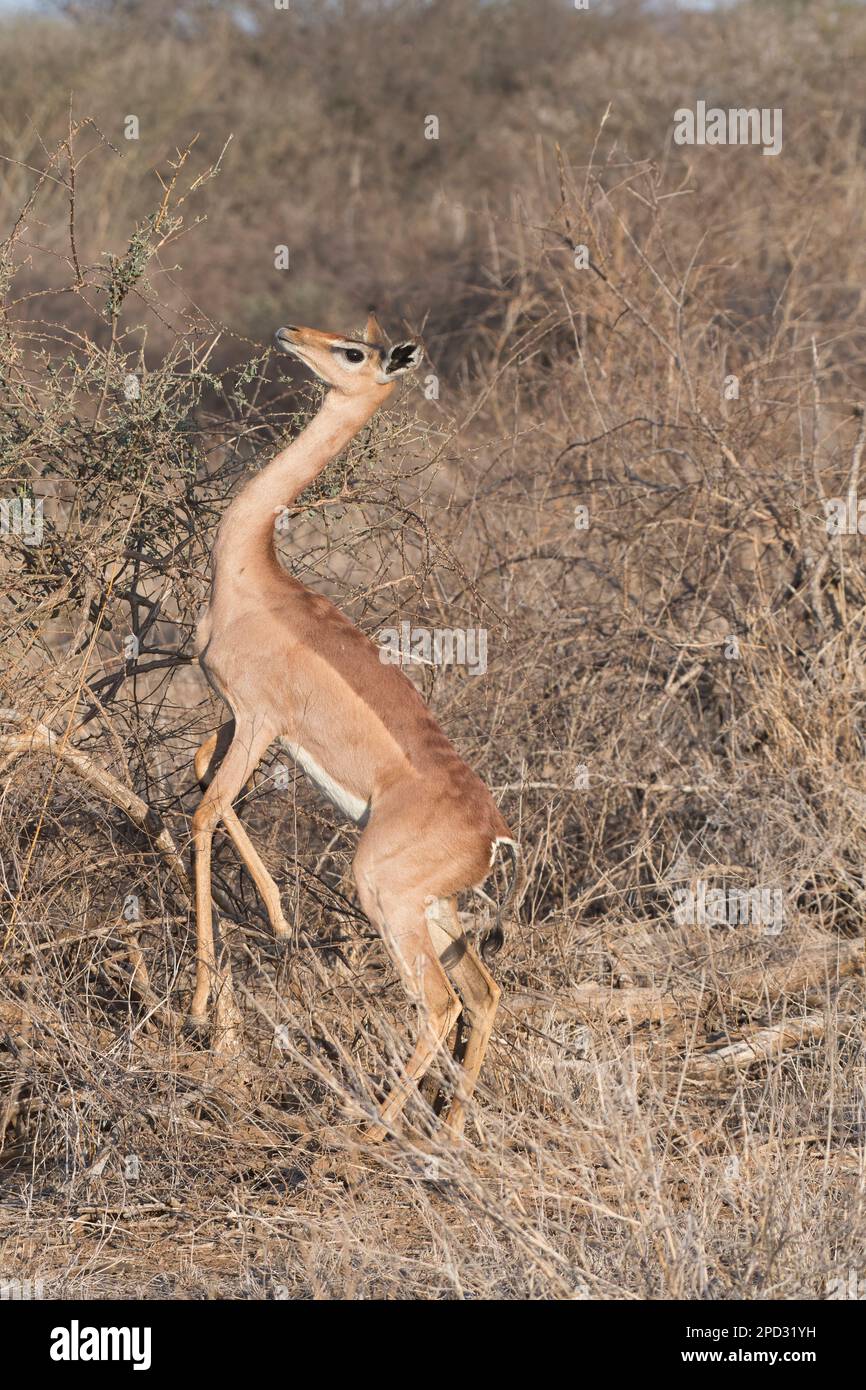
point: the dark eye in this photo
(354, 355)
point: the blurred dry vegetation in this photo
(674, 693)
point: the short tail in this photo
(493, 940)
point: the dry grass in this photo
(673, 695)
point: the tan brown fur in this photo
(291, 666)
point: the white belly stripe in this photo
(344, 800)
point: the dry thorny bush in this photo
(673, 696)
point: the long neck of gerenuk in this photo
(246, 532)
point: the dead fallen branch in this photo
(760, 1046)
(590, 1000)
(41, 739)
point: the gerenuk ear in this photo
(373, 333)
(402, 357)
